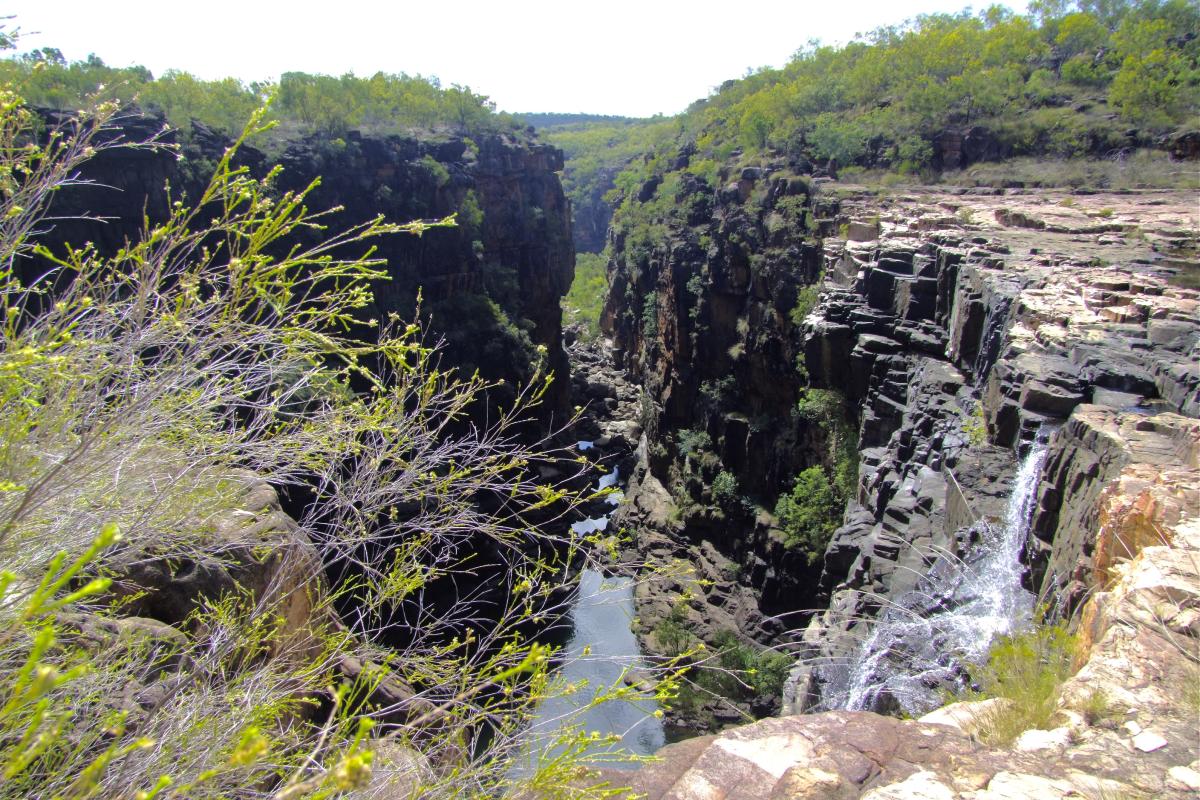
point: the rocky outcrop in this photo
(1139, 635)
(247, 547)
(1091, 450)
(958, 148)
(848, 755)
(609, 404)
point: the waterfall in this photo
(923, 642)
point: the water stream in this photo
(601, 649)
(924, 641)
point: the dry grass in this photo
(1142, 169)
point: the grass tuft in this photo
(1026, 669)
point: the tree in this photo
(809, 513)
(1149, 88)
(1080, 33)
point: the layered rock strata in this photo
(956, 326)
(954, 322)
(1117, 528)
(1139, 632)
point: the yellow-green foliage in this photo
(730, 669)
(975, 426)
(809, 513)
(135, 398)
(584, 301)
(596, 151)
(1026, 671)
(811, 510)
(1004, 71)
(806, 301)
(827, 409)
(316, 102)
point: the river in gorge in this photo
(599, 653)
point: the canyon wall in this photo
(955, 320)
(700, 314)
(960, 328)
(491, 285)
(953, 327)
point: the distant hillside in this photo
(1093, 78)
(552, 119)
(595, 153)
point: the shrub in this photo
(809, 513)
(806, 300)
(673, 636)
(650, 317)
(1099, 709)
(132, 404)
(737, 671)
(975, 426)
(436, 170)
(826, 408)
(692, 442)
(718, 394)
(725, 489)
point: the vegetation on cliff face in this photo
(812, 509)
(809, 513)
(139, 391)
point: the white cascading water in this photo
(923, 642)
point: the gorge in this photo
(977, 371)
(872, 470)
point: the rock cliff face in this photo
(492, 284)
(591, 216)
(1140, 633)
(961, 326)
(956, 326)
(699, 311)
(955, 320)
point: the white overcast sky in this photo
(603, 56)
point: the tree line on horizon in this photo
(312, 102)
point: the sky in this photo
(601, 57)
